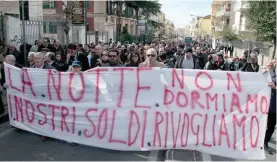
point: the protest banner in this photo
(124, 108)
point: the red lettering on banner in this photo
(144, 128)
(139, 87)
(53, 107)
(211, 98)
(121, 86)
(56, 84)
(41, 122)
(235, 103)
(74, 119)
(70, 87)
(223, 131)
(18, 108)
(224, 102)
(213, 129)
(93, 126)
(175, 134)
(198, 127)
(112, 140)
(204, 132)
(131, 140)
(185, 122)
(175, 76)
(251, 100)
(165, 99)
(264, 102)
(179, 99)
(209, 77)
(10, 107)
(26, 82)
(103, 114)
(166, 130)
(254, 145)
(97, 70)
(157, 130)
(195, 96)
(240, 123)
(10, 81)
(236, 84)
(64, 114)
(32, 117)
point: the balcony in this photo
(221, 13)
(244, 6)
(218, 28)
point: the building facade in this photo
(205, 27)
(11, 25)
(98, 13)
(229, 13)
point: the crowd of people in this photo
(77, 58)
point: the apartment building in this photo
(98, 13)
(229, 13)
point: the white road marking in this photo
(153, 156)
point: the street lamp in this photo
(109, 28)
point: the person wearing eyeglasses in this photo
(151, 59)
(113, 58)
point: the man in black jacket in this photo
(73, 54)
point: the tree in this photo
(262, 19)
(229, 35)
(148, 7)
(68, 12)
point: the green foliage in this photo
(262, 19)
(229, 35)
(155, 24)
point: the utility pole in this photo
(2, 27)
(86, 21)
(23, 33)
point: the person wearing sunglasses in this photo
(113, 57)
(151, 59)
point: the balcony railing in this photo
(218, 28)
(224, 12)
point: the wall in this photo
(35, 9)
(13, 26)
(265, 49)
(205, 27)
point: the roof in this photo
(207, 17)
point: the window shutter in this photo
(90, 23)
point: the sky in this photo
(180, 11)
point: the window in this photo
(49, 27)
(227, 21)
(44, 27)
(52, 27)
(49, 4)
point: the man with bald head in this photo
(39, 61)
(95, 57)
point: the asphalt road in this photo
(25, 146)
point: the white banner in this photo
(220, 113)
